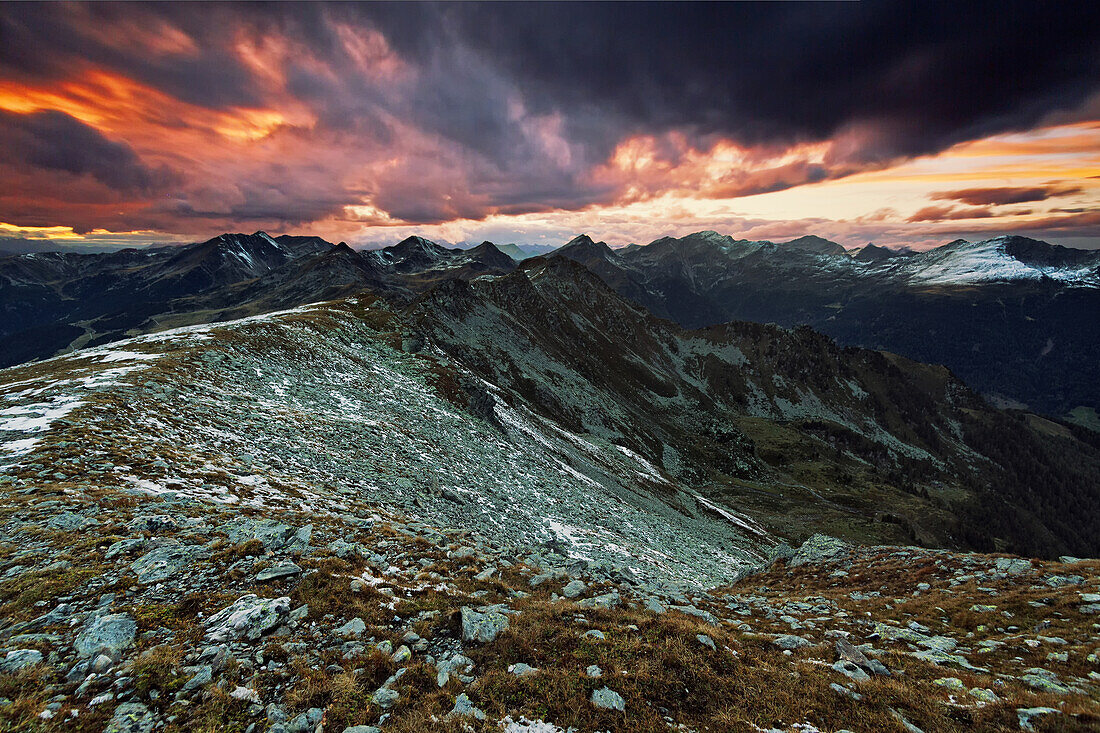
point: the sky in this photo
(898, 123)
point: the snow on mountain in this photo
(991, 261)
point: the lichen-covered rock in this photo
(820, 548)
(481, 627)
(131, 717)
(18, 659)
(607, 699)
(108, 634)
(249, 618)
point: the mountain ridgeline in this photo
(623, 366)
(1015, 318)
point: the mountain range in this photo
(1013, 317)
(283, 485)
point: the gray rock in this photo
(131, 717)
(593, 670)
(403, 654)
(352, 629)
(593, 634)
(153, 523)
(574, 588)
(250, 617)
(850, 670)
(305, 722)
(706, 641)
(820, 548)
(1012, 565)
(163, 562)
(1025, 715)
(606, 601)
(385, 698)
(519, 669)
(482, 627)
(201, 676)
(842, 690)
(607, 699)
(951, 683)
(18, 659)
(108, 634)
(984, 695)
(127, 546)
(789, 641)
(283, 570)
(362, 729)
(654, 606)
(1043, 680)
(465, 708)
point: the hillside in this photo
(521, 502)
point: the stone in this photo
(201, 677)
(1025, 715)
(362, 729)
(594, 670)
(385, 698)
(18, 659)
(465, 708)
(607, 699)
(845, 692)
(593, 634)
(245, 694)
(791, 642)
(127, 546)
(654, 606)
(606, 601)
(161, 563)
(1043, 680)
(574, 588)
(352, 629)
(951, 683)
(707, 642)
(520, 669)
(820, 548)
(283, 570)
(248, 618)
(131, 717)
(480, 627)
(153, 523)
(305, 722)
(850, 670)
(982, 694)
(403, 654)
(108, 634)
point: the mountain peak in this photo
(815, 244)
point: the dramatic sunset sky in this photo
(876, 121)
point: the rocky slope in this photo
(127, 611)
(522, 503)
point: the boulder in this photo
(108, 634)
(482, 627)
(131, 717)
(248, 618)
(607, 699)
(18, 659)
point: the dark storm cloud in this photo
(513, 108)
(1004, 195)
(924, 75)
(54, 141)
